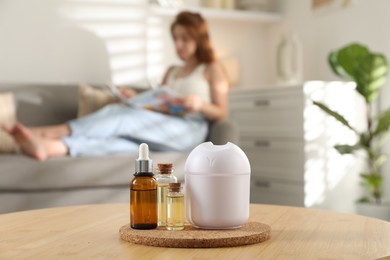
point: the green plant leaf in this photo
(347, 149)
(381, 140)
(349, 57)
(364, 200)
(364, 140)
(383, 123)
(372, 180)
(380, 160)
(336, 115)
(370, 75)
(334, 65)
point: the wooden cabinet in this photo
(289, 141)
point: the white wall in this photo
(363, 21)
(38, 45)
(246, 42)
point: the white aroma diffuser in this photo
(217, 180)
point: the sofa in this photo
(26, 183)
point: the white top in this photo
(193, 84)
(209, 159)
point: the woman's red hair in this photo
(197, 27)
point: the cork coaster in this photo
(190, 237)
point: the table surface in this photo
(92, 231)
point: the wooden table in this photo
(91, 231)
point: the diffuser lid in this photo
(208, 158)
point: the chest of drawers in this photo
(289, 141)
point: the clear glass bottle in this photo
(163, 177)
(143, 193)
(175, 209)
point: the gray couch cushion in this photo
(18, 172)
(29, 184)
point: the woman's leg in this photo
(159, 131)
(38, 147)
(91, 122)
(116, 129)
(117, 120)
(52, 131)
(100, 117)
(120, 129)
(43, 148)
(84, 146)
(103, 123)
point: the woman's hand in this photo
(127, 92)
(191, 103)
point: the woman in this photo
(116, 128)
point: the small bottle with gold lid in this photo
(175, 209)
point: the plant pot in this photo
(373, 210)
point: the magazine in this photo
(161, 99)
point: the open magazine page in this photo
(161, 99)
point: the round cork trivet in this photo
(191, 237)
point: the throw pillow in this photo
(8, 119)
(92, 99)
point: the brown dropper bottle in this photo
(143, 193)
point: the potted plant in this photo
(369, 71)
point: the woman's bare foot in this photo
(30, 143)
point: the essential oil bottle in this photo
(163, 177)
(143, 193)
(175, 209)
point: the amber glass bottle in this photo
(143, 193)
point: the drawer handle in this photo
(263, 143)
(262, 103)
(263, 184)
